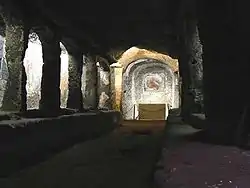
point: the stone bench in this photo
(27, 141)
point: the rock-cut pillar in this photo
(16, 37)
(50, 85)
(90, 83)
(75, 99)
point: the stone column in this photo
(75, 99)
(90, 92)
(191, 65)
(225, 69)
(194, 48)
(187, 99)
(191, 69)
(16, 37)
(50, 85)
(116, 86)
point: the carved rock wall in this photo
(15, 46)
(89, 83)
(33, 63)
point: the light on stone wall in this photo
(33, 63)
(64, 76)
(4, 74)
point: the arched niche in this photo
(33, 62)
(148, 81)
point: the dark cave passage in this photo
(185, 61)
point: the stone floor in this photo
(192, 164)
(115, 160)
(129, 161)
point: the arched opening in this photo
(3, 64)
(33, 62)
(64, 76)
(145, 82)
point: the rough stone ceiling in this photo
(109, 23)
(133, 54)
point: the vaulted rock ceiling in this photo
(104, 25)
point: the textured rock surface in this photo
(135, 53)
(191, 67)
(196, 69)
(104, 87)
(89, 83)
(2, 90)
(75, 74)
(15, 47)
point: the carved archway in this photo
(127, 60)
(148, 81)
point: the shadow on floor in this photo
(191, 158)
(114, 160)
